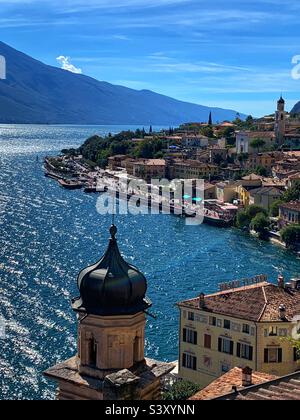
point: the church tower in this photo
(280, 121)
(110, 364)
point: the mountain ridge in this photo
(37, 93)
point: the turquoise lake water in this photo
(49, 234)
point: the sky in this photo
(233, 54)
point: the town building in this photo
(265, 196)
(116, 162)
(226, 191)
(149, 169)
(289, 213)
(262, 160)
(191, 141)
(244, 325)
(110, 363)
(192, 169)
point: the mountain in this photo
(36, 93)
(296, 109)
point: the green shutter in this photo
(231, 347)
(184, 335)
(266, 356)
(220, 345)
(279, 355)
(238, 350)
(250, 353)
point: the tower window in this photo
(93, 350)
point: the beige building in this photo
(110, 363)
(192, 169)
(227, 191)
(243, 327)
(289, 213)
(149, 169)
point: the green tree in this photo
(261, 171)
(274, 209)
(253, 210)
(243, 220)
(261, 224)
(291, 236)
(210, 121)
(257, 144)
(292, 194)
(181, 391)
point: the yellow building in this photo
(192, 169)
(241, 327)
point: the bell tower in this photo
(110, 363)
(280, 121)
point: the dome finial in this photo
(113, 231)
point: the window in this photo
(246, 329)
(227, 324)
(296, 355)
(244, 351)
(283, 332)
(225, 346)
(273, 332)
(191, 316)
(189, 362)
(189, 336)
(219, 323)
(273, 355)
(93, 350)
(213, 321)
(207, 341)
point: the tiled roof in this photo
(252, 177)
(293, 205)
(267, 191)
(282, 389)
(256, 303)
(224, 384)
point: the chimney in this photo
(281, 282)
(202, 301)
(282, 312)
(247, 377)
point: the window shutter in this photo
(279, 355)
(184, 335)
(251, 353)
(238, 351)
(220, 345)
(231, 347)
(295, 354)
(184, 360)
(266, 356)
(196, 338)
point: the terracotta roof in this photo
(286, 388)
(252, 177)
(256, 303)
(293, 205)
(224, 384)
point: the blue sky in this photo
(233, 54)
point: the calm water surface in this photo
(49, 234)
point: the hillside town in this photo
(251, 169)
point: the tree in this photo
(257, 144)
(210, 121)
(243, 220)
(291, 236)
(254, 210)
(181, 391)
(261, 171)
(151, 129)
(274, 209)
(261, 224)
(292, 194)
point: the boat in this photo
(69, 184)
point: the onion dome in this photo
(111, 287)
(281, 100)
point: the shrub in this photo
(181, 391)
(291, 236)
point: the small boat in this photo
(70, 185)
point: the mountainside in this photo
(296, 109)
(40, 94)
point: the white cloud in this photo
(66, 65)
